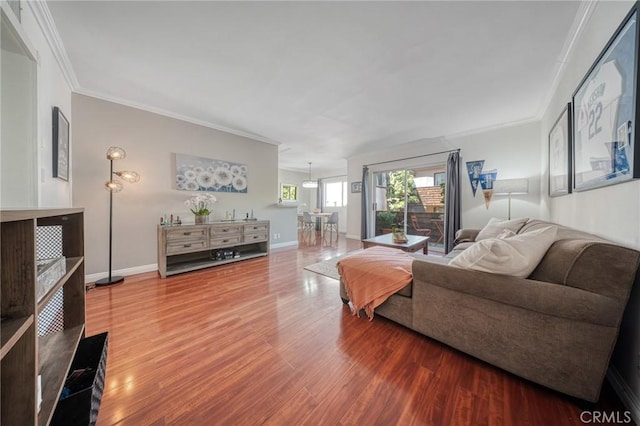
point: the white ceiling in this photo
(325, 80)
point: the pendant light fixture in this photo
(310, 183)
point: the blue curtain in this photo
(452, 200)
(320, 195)
(365, 203)
(319, 203)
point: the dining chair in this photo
(308, 226)
(440, 225)
(417, 229)
(330, 225)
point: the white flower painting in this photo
(205, 174)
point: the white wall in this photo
(514, 151)
(294, 178)
(150, 140)
(53, 90)
(612, 212)
(290, 231)
(18, 149)
(34, 180)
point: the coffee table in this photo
(413, 244)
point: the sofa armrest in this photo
(465, 235)
(546, 298)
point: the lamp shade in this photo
(128, 176)
(310, 183)
(113, 186)
(510, 186)
(116, 153)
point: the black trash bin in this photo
(81, 396)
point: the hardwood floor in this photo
(265, 342)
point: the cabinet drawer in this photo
(187, 234)
(186, 246)
(220, 231)
(254, 238)
(225, 241)
(257, 228)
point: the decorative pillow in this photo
(517, 256)
(507, 233)
(496, 226)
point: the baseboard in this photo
(625, 394)
(154, 267)
(285, 244)
(123, 272)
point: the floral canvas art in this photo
(204, 174)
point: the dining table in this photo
(323, 216)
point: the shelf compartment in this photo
(72, 264)
(193, 265)
(55, 353)
(12, 330)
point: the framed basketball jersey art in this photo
(605, 113)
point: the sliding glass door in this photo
(411, 199)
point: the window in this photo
(335, 194)
(289, 192)
(423, 181)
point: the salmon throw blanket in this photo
(373, 275)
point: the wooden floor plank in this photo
(264, 341)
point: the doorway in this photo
(412, 199)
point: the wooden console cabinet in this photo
(184, 248)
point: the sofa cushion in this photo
(546, 298)
(517, 255)
(495, 226)
(564, 232)
(464, 246)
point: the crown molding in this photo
(585, 11)
(171, 114)
(48, 27)
(45, 21)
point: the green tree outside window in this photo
(395, 190)
(289, 192)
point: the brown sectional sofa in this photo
(558, 327)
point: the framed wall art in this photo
(204, 174)
(60, 145)
(559, 154)
(605, 113)
(356, 187)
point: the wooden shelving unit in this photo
(24, 354)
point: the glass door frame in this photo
(419, 162)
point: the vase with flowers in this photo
(200, 206)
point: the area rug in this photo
(328, 267)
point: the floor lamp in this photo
(510, 187)
(114, 185)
